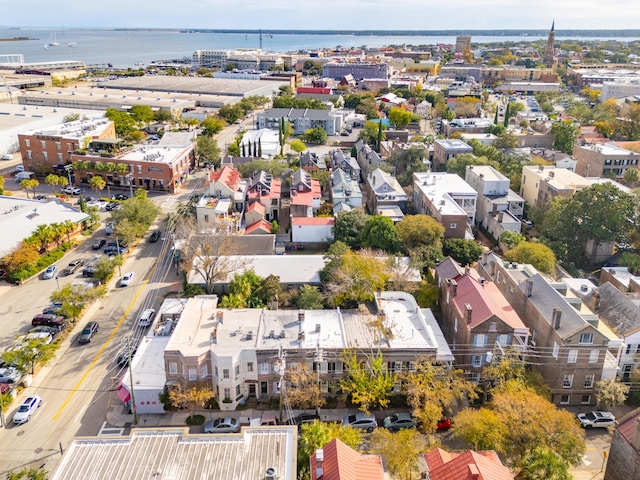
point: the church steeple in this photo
(548, 57)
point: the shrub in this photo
(195, 420)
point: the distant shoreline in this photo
(17, 39)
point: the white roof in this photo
(441, 188)
(19, 218)
(158, 154)
(79, 129)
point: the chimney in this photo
(485, 254)
(595, 301)
(492, 268)
(319, 461)
(468, 312)
(635, 439)
(528, 288)
(555, 318)
(454, 287)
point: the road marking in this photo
(102, 349)
(104, 430)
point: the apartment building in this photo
(358, 70)
(604, 160)
(570, 346)
(447, 198)
(345, 190)
(44, 150)
(446, 149)
(301, 119)
(383, 190)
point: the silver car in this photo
(222, 425)
(361, 421)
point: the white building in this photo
(312, 229)
(263, 142)
(619, 89)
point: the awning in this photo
(123, 393)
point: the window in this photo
(594, 355)
(204, 371)
(59, 158)
(331, 367)
(493, 326)
(564, 399)
(43, 144)
(173, 368)
(27, 142)
(586, 338)
(504, 339)
(29, 155)
(573, 356)
(216, 370)
(249, 366)
(264, 368)
(225, 373)
(585, 400)
(476, 360)
(568, 380)
(263, 388)
(227, 393)
(58, 146)
(588, 380)
(276, 387)
(452, 226)
(237, 371)
(556, 350)
(628, 349)
(237, 391)
(45, 156)
(193, 374)
(455, 320)
(479, 340)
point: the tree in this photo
(368, 382)
(207, 151)
(52, 180)
(399, 451)
(193, 396)
(417, 230)
(315, 435)
(75, 297)
(310, 298)
(465, 252)
(105, 268)
(564, 136)
(370, 131)
(303, 390)
(482, 429)
(143, 114)
(467, 107)
(26, 254)
(274, 227)
(316, 135)
(610, 393)
(544, 464)
(536, 254)
(631, 176)
(43, 234)
(29, 184)
(459, 163)
(511, 239)
(28, 474)
(297, 146)
(212, 125)
(507, 114)
(139, 211)
(631, 261)
(230, 113)
(63, 181)
(25, 355)
(399, 117)
(122, 121)
(97, 183)
(379, 233)
(349, 226)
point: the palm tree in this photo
(57, 232)
(544, 464)
(97, 183)
(69, 227)
(63, 181)
(52, 179)
(43, 234)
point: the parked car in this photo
(108, 229)
(98, 244)
(43, 337)
(71, 190)
(72, 267)
(53, 331)
(113, 251)
(89, 271)
(443, 424)
(123, 357)
(28, 408)
(596, 419)
(49, 272)
(10, 375)
(398, 421)
(155, 236)
(361, 421)
(48, 320)
(146, 318)
(87, 332)
(54, 308)
(111, 206)
(303, 418)
(127, 279)
(7, 157)
(119, 196)
(222, 425)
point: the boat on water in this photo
(72, 44)
(53, 42)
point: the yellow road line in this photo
(99, 354)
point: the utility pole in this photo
(133, 399)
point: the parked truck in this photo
(24, 176)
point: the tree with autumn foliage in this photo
(368, 382)
(400, 451)
(302, 387)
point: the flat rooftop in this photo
(561, 178)
(440, 188)
(152, 153)
(173, 454)
(91, 126)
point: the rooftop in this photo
(453, 144)
(157, 154)
(78, 130)
(441, 188)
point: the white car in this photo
(127, 279)
(596, 419)
(28, 407)
(146, 318)
(71, 190)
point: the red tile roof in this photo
(343, 463)
(257, 206)
(274, 192)
(485, 300)
(312, 221)
(628, 425)
(469, 465)
(227, 175)
(261, 226)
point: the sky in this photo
(326, 14)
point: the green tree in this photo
(105, 268)
(512, 239)
(459, 163)
(631, 176)
(274, 227)
(544, 464)
(564, 136)
(207, 151)
(139, 211)
(417, 230)
(400, 451)
(28, 474)
(310, 298)
(29, 184)
(465, 252)
(610, 393)
(631, 261)
(297, 146)
(536, 254)
(230, 113)
(122, 121)
(368, 382)
(25, 355)
(315, 435)
(192, 396)
(212, 125)
(379, 233)
(75, 298)
(97, 183)
(143, 114)
(52, 180)
(348, 227)
(399, 117)
(315, 135)
(369, 133)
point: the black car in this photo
(89, 271)
(111, 206)
(89, 331)
(155, 236)
(124, 355)
(303, 418)
(98, 244)
(119, 196)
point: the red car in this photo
(443, 424)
